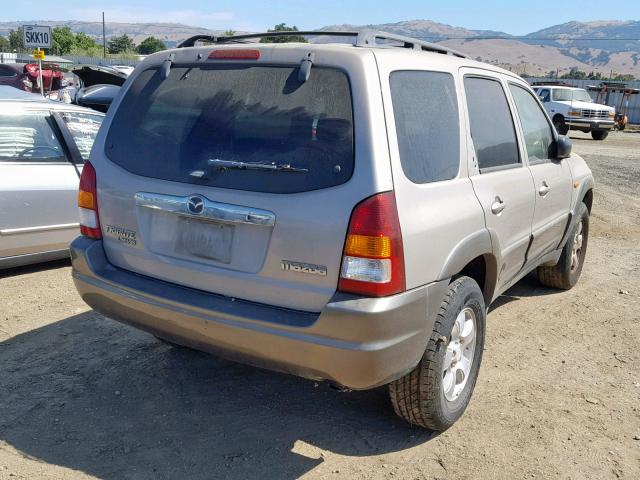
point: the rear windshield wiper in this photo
(233, 165)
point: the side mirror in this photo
(563, 147)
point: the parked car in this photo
(43, 145)
(572, 108)
(25, 77)
(98, 86)
(339, 212)
(126, 69)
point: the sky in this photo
(513, 16)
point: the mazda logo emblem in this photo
(195, 205)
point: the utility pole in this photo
(104, 39)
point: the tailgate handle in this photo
(207, 209)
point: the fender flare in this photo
(478, 244)
(585, 185)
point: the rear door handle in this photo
(544, 189)
(497, 206)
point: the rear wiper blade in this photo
(234, 165)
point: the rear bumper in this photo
(590, 123)
(359, 343)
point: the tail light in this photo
(373, 259)
(88, 203)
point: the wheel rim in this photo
(458, 358)
(576, 248)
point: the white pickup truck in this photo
(572, 108)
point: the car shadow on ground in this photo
(90, 394)
(529, 286)
(34, 268)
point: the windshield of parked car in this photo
(569, 94)
(187, 127)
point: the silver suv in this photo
(342, 212)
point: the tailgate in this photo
(239, 179)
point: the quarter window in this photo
(538, 136)
(492, 129)
(83, 128)
(427, 126)
(28, 137)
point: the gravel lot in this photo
(558, 394)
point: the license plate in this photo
(208, 240)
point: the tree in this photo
(85, 42)
(121, 44)
(574, 74)
(151, 45)
(624, 77)
(229, 33)
(283, 27)
(16, 40)
(5, 46)
(62, 40)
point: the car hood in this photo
(587, 105)
(94, 75)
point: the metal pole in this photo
(40, 75)
(104, 39)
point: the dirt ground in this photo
(558, 394)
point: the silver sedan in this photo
(43, 145)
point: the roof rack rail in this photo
(363, 38)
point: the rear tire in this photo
(565, 274)
(561, 127)
(599, 134)
(436, 393)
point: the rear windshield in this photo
(171, 129)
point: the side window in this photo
(28, 137)
(427, 126)
(83, 128)
(492, 129)
(538, 136)
(544, 95)
(6, 71)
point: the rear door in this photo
(38, 186)
(502, 182)
(237, 178)
(552, 178)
